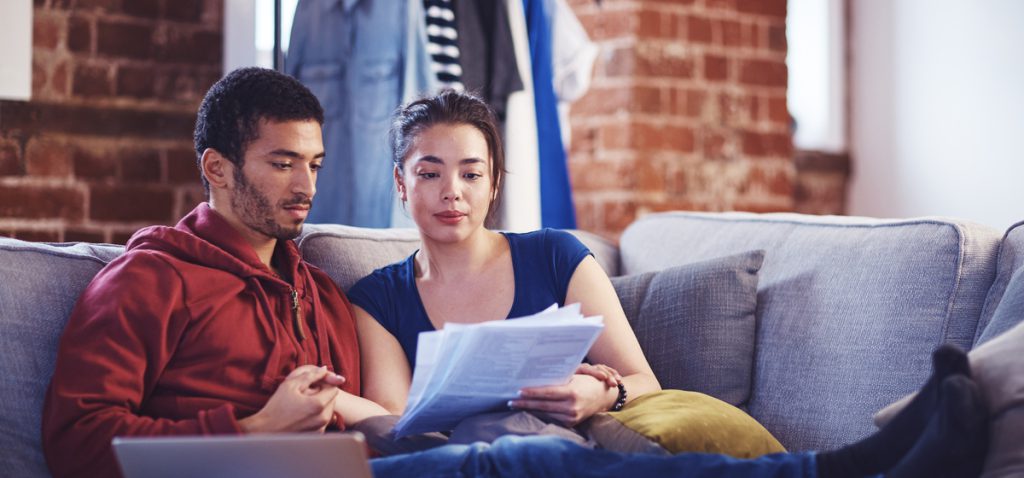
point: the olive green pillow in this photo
(674, 421)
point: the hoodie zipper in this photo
(297, 314)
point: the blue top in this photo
(543, 262)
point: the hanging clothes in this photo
(557, 209)
(520, 208)
(573, 57)
(443, 43)
(352, 54)
(489, 66)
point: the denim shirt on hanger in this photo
(354, 56)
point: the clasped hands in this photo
(592, 389)
(304, 401)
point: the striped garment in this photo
(442, 43)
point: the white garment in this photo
(520, 210)
(573, 55)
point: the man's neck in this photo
(261, 243)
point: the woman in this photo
(448, 170)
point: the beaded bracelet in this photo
(621, 400)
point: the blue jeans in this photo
(544, 456)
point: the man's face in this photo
(274, 188)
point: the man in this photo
(216, 326)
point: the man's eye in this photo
(316, 167)
(281, 165)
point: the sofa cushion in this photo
(348, 253)
(39, 284)
(849, 309)
(696, 323)
(998, 367)
(1010, 265)
(681, 422)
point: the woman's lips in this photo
(450, 217)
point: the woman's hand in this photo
(571, 403)
(602, 372)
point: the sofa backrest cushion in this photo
(348, 253)
(39, 284)
(1010, 268)
(696, 323)
(849, 309)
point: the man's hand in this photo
(303, 402)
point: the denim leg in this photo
(513, 456)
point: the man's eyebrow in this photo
(292, 154)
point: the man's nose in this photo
(304, 182)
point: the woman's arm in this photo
(385, 371)
(616, 347)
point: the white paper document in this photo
(463, 370)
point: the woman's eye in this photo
(473, 176)
(428, 175)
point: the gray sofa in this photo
(847, 309)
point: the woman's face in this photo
(446, 181)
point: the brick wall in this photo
(104, 147)
(687, 111)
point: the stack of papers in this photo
(464, 370)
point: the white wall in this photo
(937, 109)
(16, 38)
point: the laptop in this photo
(251, 456)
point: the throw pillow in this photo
(696, 324)
(674, 421)
(998, 367)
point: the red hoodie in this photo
(183, 335)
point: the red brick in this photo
(652, 100)
(615, 135)
(751, 35)
(763, 73)
(651, 24)
(600, 176)
(84, 235)
(778, 110)
(659, 61)
(729, 5)
(10, 159)
(148, 9)
(661, 137)
(126, 40)
(140, 166)
(135, 81)
(46, 31)
(698, 30)
(183, 10)
(732, 34)
(713, 144)
(716, 67)
(776, 181)
(584, 141)
(190, 198)
(79, 35)
(94, 165)
(688, 102)
(47, 158)
(649, 174)
(107, 5)
(130, 204)
(37, 235)
(91, 81)
(767, 144)
(37, 202)
(621, 62)
(774, 8)
(777, 37)
(184, 45)
(182, 167)
(60, 79)
(39, 75)
(617, 215)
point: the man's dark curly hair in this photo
(229, 116)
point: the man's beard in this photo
(255, 211)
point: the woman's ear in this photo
(216, 168)
(399, 184)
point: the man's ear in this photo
(399, 184)
(216, 168)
